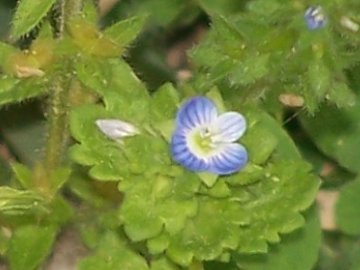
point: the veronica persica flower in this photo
(204, 141)
(315, 17)
(116, 129)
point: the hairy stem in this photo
(72, 8)
(57, 123)
(59, 98)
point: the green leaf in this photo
(122, 91)
(297, 251)
(29, 246)
(260, 149)
(145, 217)
(16, 90)
(163, 12)
(28, 14)
(342, 95)
(19, 202)
(5, 51)
(347, 210)
(158, 210)
(250, 69)
(164, 103)
(163, 264)
(98, 147)
(336, 133)
(113, 253)
(23, 175)
(224, 7)
(208, 179)
(319, 79)
(163, 108)
(125, 31)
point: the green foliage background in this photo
(65, 65)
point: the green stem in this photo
(71, 8)
(58, 133)
(58, 129)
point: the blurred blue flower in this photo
(315, 17)
(204, 141)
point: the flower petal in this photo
(229, 159)
(196, 112)
(183, 155)
(228, 127)
(116, 129)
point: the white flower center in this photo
(203, 142)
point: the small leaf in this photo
(251, 69)
(319, 79)
(91, 41)
(23, 175)
(260, 143)
(347, 210)
(19, 202)
(16, 90)
(208, 179)
(113, 253)
(124, 32)
(342, 95)
(29, 246)
(58, 178)
(28, 14)
(5, 51)
(164, 103)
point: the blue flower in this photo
(205, 141)
(315, 17)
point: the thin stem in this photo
(72, 8)
(57, 130)
(58, 133)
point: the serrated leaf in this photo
(145, 217)
(298, 250)
(125, 31)
(113, 253)
(28, 14)
(98, 147)
(29, 246)
(347, 210)
(251, 69)
(122, 91)
(319, 79)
